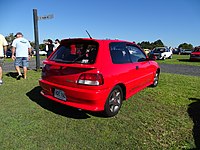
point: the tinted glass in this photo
(119, 53)
(136, 54)
(158, 50)
(82, 52)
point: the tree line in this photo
(159, 43)
(143, 44)
(10, 37)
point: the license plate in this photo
(60, 94)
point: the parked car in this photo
(185, 51)
(195, 55)
(97, 75)
(41, 52)
(161, 53)
(176, 51)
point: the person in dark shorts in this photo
(21, 53)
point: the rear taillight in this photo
(45, 69)
(90, 79)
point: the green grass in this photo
(155, 118)
(179, 59)
(8, 60)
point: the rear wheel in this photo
(155, 80)
(113, 102)
(163, 58)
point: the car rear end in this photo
(186, 51)
(195, 56)
(72, 77)
(157, 53)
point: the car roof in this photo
(97, 40)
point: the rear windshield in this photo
(76, 52)
(156, 50)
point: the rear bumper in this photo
(86, 99)
(195, 58)
(157, 56)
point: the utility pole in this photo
(35, 20)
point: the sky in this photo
(172, 21)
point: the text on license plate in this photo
(60, 94)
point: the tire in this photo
(113, 102)
(155, 80)
(170, 57)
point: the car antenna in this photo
(88, 34)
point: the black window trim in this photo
(123, 44)
(133, 44)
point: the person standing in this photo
(49, 47)
(21, 52)
(57, 43)
(3, 49)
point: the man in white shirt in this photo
(21, 52)
(3, 49)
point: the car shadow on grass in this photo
(194, 113)
(55, 107)
(184, 60)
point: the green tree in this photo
(9, 39)
(32, 44)
(145, 45)
(185, 46)
(148, 45)
(42, 46)
(158, 43)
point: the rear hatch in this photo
(73, 59)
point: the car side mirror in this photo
(152, 57)
(142, 59)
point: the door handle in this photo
(137, 67)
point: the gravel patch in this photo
(9, 66)
(180, 69)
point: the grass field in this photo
(155, 118)
(179, 59)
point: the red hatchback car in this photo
(97, 75)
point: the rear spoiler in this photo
(65, 41)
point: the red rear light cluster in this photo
(45, 69)
(90, 79)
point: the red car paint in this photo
(195, 55)
(87, 85)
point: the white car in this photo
(41, 52)
(161, 53)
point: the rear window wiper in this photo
(79, 57)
